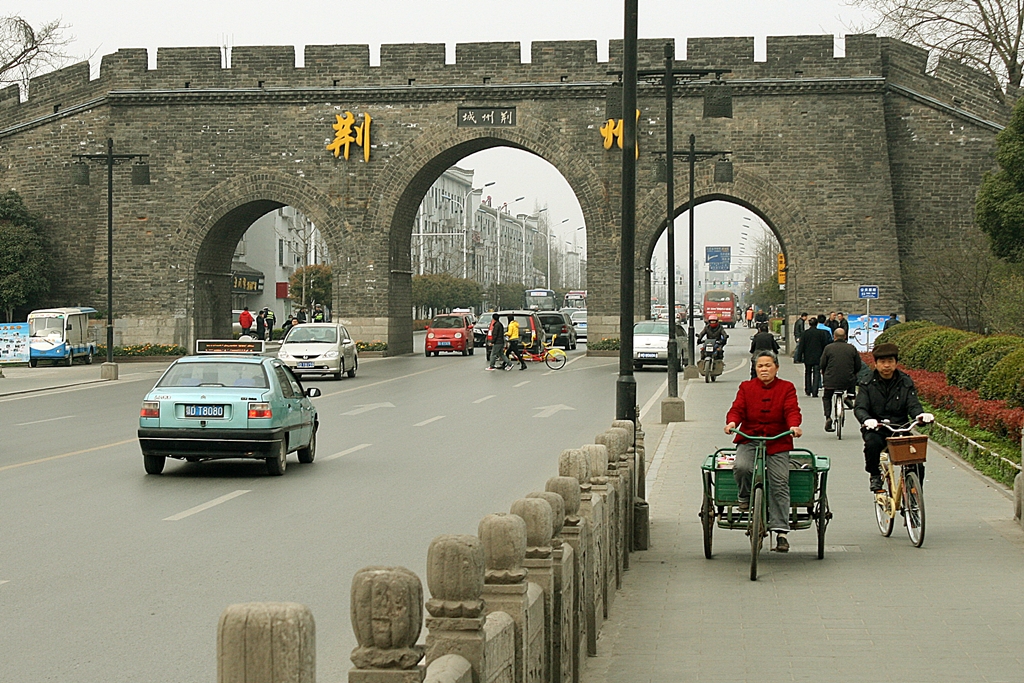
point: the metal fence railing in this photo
(986, 460)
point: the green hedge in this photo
(933, 350)
(894, 334)
(1004, 380)
(970, 365)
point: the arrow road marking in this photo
(426, 422)
(481, 400)
(5, 581)
(367, 407)
(345, 452)
(548, 411)
(205, 506)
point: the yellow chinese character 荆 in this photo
(612, 133)
(343, 135)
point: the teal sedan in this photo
(228, 406)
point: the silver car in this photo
(319, 349)
(650, 343)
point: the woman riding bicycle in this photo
(890, 395)
(766, 406)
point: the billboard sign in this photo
(14, 343)
(718, 258)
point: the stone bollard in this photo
(455, 577)
(573, 463)
(506, 589)
(560, 651)
(538, 514)
(627, 493)
(1018, 495)
(597, 457)
(387, 615)
(574, 531)
(266, 642)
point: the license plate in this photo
(647, 355)
(305, 365)
(204, 411)
(444, 343)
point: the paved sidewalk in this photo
(875, 609)
(21, 380)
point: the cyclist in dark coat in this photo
(888, 395)
(840, 363)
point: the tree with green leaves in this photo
(443, 292)
(999, 209)
(310, 285)
(24, 258)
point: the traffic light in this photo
(782, 269)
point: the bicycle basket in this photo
(907, 450)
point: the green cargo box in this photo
(804, 467)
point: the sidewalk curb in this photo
(57, 386)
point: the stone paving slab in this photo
(875, 609)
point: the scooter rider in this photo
(714, 331)
(888, 395)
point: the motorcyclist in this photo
(714, 331)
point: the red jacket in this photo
(245, 319)
(761, 410)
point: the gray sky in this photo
(103, 26)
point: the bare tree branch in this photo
(985, 34)
(26, 51)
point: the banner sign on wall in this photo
(864, 329)
(14, 343)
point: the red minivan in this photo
(451, 332)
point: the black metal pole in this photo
(625, 385)
(110, 250)
(670, 208)
(689, 315)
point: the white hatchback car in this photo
(319, 349)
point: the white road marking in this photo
(367, 407)
(481, 400)
(657, 394)
(5, 581)
(383, 381)
(516, 386)
(345, 452)
(426, 422)
(51, 419)
(548, 411)
(567, 364)
(205, 506)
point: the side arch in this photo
(402, 185)
(212, 227)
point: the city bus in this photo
(575, 299)
(540, 300)
(720, 302)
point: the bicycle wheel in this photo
(840, 414)
(707, 522)
(821, 521)
(913, 507)
(883, 507)
(554, 359)
(756, 528)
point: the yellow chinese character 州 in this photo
(343, 135)
(612, 133)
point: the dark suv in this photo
(531, 331)
(558, 324)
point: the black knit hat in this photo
(886, 351)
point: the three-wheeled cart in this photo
(808, 478)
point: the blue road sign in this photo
(718, 258)
(868, 292)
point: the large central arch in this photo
(394, 205)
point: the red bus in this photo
(722, 303)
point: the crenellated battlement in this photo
(499, 63)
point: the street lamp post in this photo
(625, 384)
(140, 176)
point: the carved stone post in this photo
(505, 587)
(387, 615)
(537, 513)
(614, 443)
(455, 577)
(573, 463)
(559, 652)
(629, 455)
(574, 531)
(597, 457)
(266, 642)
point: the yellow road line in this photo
(66, 455)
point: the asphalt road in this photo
(110, 575)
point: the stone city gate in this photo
(857, 163)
